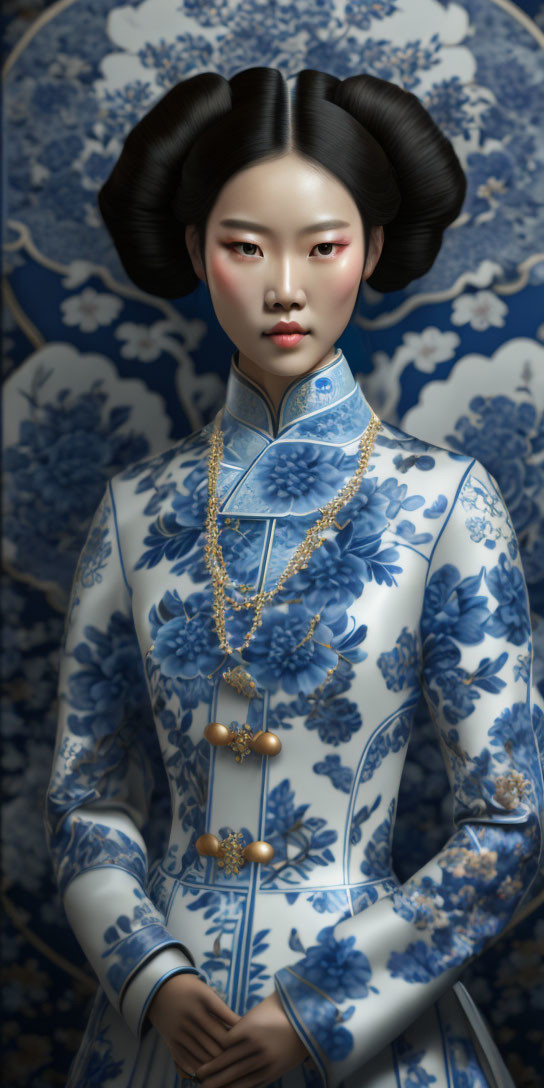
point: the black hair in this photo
(377, 139)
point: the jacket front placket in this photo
(238, 776)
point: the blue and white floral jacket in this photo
(417, 586)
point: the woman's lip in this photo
(286, 339)
(285, 327)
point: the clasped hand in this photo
(225, 1050)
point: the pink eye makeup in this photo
(335, 247)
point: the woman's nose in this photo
(284, 289)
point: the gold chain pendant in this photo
(238, 677)
(242, 681)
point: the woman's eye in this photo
(326, 248)
(248, 249)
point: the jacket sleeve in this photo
(100, 784)
(374, 973)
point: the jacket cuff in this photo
(147, 981)
(293, 998)
(117, 925)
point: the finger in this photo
(188, 1054)
(218, 1031)
(230, 1076)
(211, 1046)
(219, 1008)
(243, 1049)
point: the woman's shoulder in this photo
(177, 459)
(405, 451)
(454, 478)
(145, 488)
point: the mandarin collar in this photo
(310, 395)
(268, 461)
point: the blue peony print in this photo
(419, 962)
(57, 473)
(334, 577)
(242, 543)
(400, 666)
(295, 477)
(335, 720)
(290, 650)
(510, 619)
(368, 508)
(185, 640)
(443, 674)
(336, 967)
(452, 606)
(109, 684)
(190, 508)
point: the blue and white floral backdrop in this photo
(98, 374)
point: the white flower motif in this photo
(89, 309)
(144, 342)
(78, 272)
(481, 310)
(425, 349)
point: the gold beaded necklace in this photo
(313, 539)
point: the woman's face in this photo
(284, 243)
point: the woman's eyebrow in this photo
(246, 224)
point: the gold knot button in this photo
(231, 854)
(218, 735)
(242, 741)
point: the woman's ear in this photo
(375, 247)
(192, 242)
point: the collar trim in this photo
(306, 396)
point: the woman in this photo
(292, 577)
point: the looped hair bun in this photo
(429, 176)
(376, 138)
(136, 200)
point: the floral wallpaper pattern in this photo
(98, 375)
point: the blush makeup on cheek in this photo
(222, 274)
(346, 281)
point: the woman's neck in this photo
(274, 385)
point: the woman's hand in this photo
(192, 1019)
(259, 1049)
